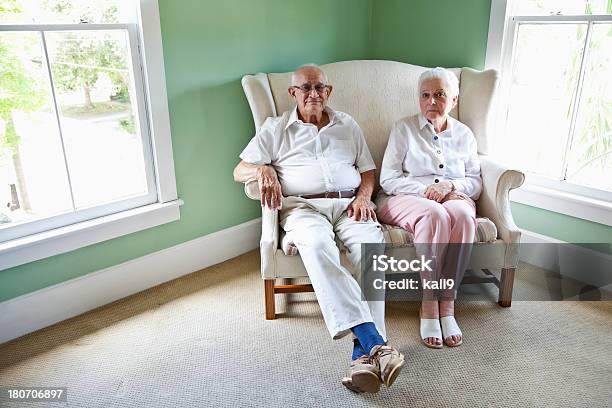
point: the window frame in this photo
(45, 223)
(165, 205)
(559, 196)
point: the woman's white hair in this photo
(449, 79)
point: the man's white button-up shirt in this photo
(417, 157)
(308, 160)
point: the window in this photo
(84, 130)
(555, 102)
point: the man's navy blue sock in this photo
(358, 351)
(368, 336)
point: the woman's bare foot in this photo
(447, 308)
(429, 310)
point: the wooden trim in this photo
(269, 299)
(476, 279)
(505, 288)
(295, 288)
(270, 289)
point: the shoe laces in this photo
(382, 351)
(365, 359)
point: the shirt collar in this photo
(293, 117)
(424, 122)
(450, 122)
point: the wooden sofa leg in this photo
(269, 299)
(505, 287)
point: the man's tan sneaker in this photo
(362, 376)
(389, 361)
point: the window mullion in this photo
(57, 117)
(576, 101)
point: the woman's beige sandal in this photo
(431, 328)
(450, 328)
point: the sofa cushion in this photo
(398, 237)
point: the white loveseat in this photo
(376, 94)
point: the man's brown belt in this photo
(331, 194)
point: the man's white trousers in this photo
(313, 224)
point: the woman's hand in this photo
(438, 191)
(455, 196)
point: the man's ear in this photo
(455, 100)
(330, 89)
(291, 91)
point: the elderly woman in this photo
(430, 176)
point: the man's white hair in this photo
(294, 75)
(449, 79)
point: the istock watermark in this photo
(474, 272)
(413, 284)
(384, 263)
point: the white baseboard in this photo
(542, 256)
(36, 310)
(569, 260)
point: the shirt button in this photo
(436, 181)
(438, 151)
(435, 137)
(441, 166)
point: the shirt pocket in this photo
(342, 150)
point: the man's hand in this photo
(361, 209)
(438, 191)
(269, 187)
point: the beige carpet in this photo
(202, 341)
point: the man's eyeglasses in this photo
(307, 88)
(438, 95)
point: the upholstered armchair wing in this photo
(376, 94)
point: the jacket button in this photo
(436, 181)
(435, 137)
(441, 166)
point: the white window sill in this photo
(57, 241)
(574, 205)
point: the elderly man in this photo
(313, 164)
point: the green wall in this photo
(447, 33)
(563, 227)
(209, 45)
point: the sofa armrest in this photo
(269, 241)
(494, 202)
(251, 189)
